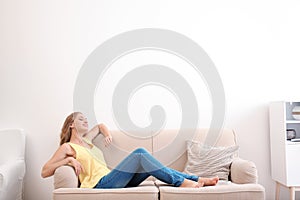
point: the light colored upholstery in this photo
(123, 144)
(65, 177)
(224, 190)
(146, 191)
(243, 171)
(207, 161)
(12, 164)
(228, 191)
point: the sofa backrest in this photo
(168, 146)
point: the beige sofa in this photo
(242, 182)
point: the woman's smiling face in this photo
(80, 124)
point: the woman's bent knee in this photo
(140, 150)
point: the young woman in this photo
(77, 150)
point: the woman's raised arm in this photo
(96, 130)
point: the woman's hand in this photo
(77, 166)
(106, 133)
(108, 140)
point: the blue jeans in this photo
(137, 167)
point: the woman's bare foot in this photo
(208, 181)
(191, 184)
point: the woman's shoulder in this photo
(66, 147)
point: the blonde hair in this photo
(66, 130)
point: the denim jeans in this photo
(138, 166)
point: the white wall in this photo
(255, 46)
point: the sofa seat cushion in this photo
(146, 191)
(222, 191)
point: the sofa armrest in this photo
(243, 171)
(11, 179)
(65, 177)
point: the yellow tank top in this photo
(92, 160)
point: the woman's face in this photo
(80, 123)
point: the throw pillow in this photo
(207, 161)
